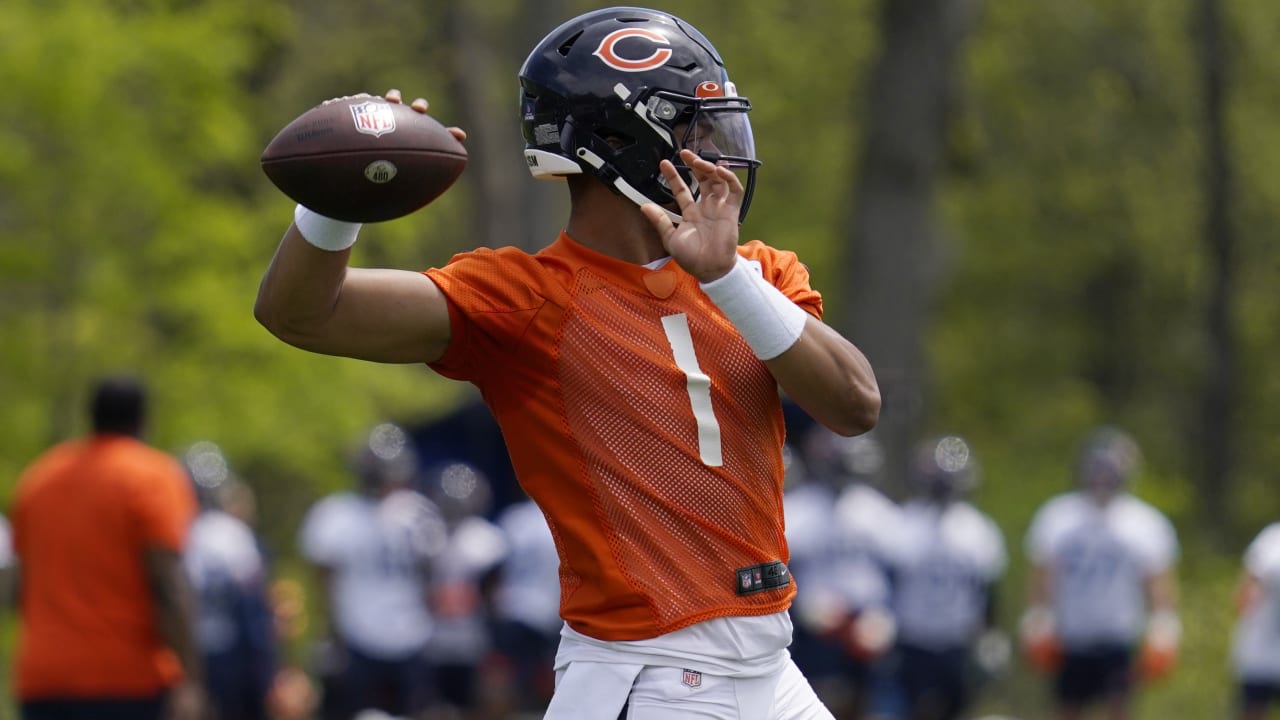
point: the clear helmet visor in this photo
(716, 129)
(719, 132)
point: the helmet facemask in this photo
(718, 131)
(654, 125)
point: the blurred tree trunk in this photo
(509, 208)
(1213, 434)
(894, 255)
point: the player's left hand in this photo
(421, 105)
(705, 243)
(1159, 652)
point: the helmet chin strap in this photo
(624, 187)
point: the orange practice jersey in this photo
(83, 514)
(640, 422)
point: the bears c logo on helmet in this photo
(608, 54)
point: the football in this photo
(363, 159)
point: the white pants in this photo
(598, 691)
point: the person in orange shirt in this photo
(633, 365)
(106, 611)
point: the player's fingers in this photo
(659, 218)
(458, 133)
(703, 170)
(676, 184)
(420, 104)
(393, 95)
(730, 178)
(709, 173)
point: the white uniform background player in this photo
(379, 584)
(374, 550)
(473, 547)
(1255, 652)
(6, 544)
(6, 560)
(526, 606)
(840, 530)
(6, 565)
(948, 558)
(221, 550)
(234, 623)
(1103, 573)
(1100, 557)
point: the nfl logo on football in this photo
(373, 118)
(692, 678)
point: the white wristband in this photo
(1164, 628)
(325, 233)
(768, 320)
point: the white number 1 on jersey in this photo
(699, 386)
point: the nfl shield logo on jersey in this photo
(692, 678)
(373, 118)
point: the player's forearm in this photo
(1162, 591)
(299, 291)
(830, 378)
(175, 610)
(310, 299)
(1039, 592)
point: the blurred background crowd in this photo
(430, 586)
(1036, 218)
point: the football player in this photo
(1102, 608)
(633, 365)
(947, 562)
(1257, 635)
(841, 530)
(6, 561)
(526, 608)
(234, 626)
(460, 639)
(372, 551)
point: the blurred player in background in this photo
(526, 610)
(1256, 647)
(1101, 611)
(841, 530)
(633, 365)
(946, 564)
(99, 526)
(372, 551)
(6, 590)
(6, 564)
(235, 625)
(460, 637)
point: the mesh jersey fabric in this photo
(84, 513)
(593, 368)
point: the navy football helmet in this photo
(615, 91)
(1107, 462)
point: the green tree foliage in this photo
(134, 226)
(1076, 196)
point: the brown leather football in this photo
(363, 159)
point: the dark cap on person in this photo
(118, 405)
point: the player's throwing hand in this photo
(705, 242)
